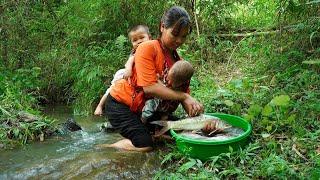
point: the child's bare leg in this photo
(98, 111)
(126, 144)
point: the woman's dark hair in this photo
(176, 18)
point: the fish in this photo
(192, 123)
(227, 134)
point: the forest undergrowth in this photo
(258, 59)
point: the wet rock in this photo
(72, 125)
(69, 126)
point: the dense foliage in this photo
(257, 59)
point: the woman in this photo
(152, 59)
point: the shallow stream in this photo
(75, 157)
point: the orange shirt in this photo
(149, 61)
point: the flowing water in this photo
(74, 156)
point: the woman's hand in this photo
(192, 106)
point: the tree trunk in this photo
(194, 9)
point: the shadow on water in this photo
(75, 155)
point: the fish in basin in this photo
(194, 124)
(225, 135)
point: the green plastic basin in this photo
(204, 149)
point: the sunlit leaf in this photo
(187, 165)
(248, 117)
(267, 110)
(265, 135)
(291, 118)
(282, 100)
(228, 103)
(269, 128)
(199, 163)
(254, 109)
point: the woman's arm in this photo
(147, 78)
(162, 92)
(191, 106)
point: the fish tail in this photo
(161, 123)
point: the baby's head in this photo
(139, 34)
(180, 74)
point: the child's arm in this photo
(128, 67)
(99, 108)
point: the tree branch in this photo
(291, 28)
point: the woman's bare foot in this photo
(125, 144)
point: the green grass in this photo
(70, 53)
(279, 96)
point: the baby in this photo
(137, 35)
(179, 77)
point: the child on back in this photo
(137, 35)
(178, 79)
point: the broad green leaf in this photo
(316, 107)
(267, 110)
(269, 128)
(199, 163)
(248, 117)
(230, 149)
(16, 132)
(282, 100)
(228, 103)
(214, 159)
(264, 121)
(291, 118)
(3, 135)
(187, 165)
(254, 109)
(168, 157)
(237, 83)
